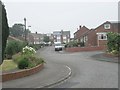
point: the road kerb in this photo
(59, 81)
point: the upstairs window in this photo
(106, 26)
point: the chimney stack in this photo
(79, 27)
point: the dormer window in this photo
(106, 26)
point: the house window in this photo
(64, 37)
(81, 40)
(58, 37)
(85, 38)
(102, 37)
(106, 26)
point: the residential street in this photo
(86, 72)
(59, 44)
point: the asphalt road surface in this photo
(86, 72)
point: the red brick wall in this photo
(22, 73)
(92, 38)
(79, 49)
(102, 42)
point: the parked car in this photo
(58, 46)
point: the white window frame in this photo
(102, 36)
(106, 26)
(81, 40)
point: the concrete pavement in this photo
(102, 57)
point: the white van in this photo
(58, 46)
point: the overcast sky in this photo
(46, 17)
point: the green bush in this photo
(13, 47)
(28, 51)
(23, 63)
(72, 44)
(114, 52)
(26, 59)
(31, 61)
(113, 42)
(16, 57)
(39, 61)
(82, 44)
(36, 46)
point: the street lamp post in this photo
(28, 35)
(25, 30)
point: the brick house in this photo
(61, 36)
(35, 38)
(51, 37)
(78, 34)
(97, 36)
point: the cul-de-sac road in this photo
(86, 71)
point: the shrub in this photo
(26, 59)
(29, 60)
(28, 51)
(13, 47)
(33, 61)
(39, 60)
(114, 52)
(113, 42)
(9, 49)
(16, 58)
(82, 44)
(23, 63)
(36, 46)
(72, 44)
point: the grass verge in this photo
(8, 65)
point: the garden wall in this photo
(21, 73)
(79, 49)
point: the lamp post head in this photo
(25, 19)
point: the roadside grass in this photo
(8, 65)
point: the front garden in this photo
(19, 55)
(26, 59)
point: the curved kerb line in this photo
(59, 81)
